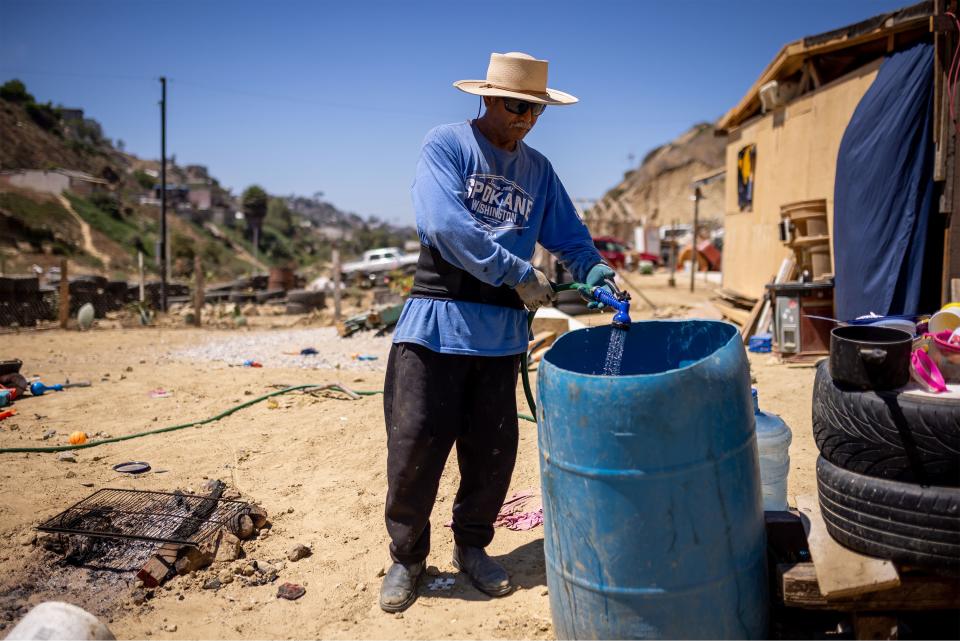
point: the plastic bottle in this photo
(773, 441)
(59, 620)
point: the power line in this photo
(237, 92)
(63, 74)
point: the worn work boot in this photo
(487, 575)
(399, 588)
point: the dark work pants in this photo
(432, 401)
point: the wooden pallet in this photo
(814, 572)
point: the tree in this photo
(279, 217)
(254, 201)
(15, 91)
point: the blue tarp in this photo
(884, 190)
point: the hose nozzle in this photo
(619, 300)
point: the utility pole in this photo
(163, 194)
(693, 245)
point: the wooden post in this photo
(198, 294)
(673, 256)
(694, 256)
(140, 268)
(336, 283)
(64, 295)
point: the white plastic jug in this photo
(59, 620)
(773, 441)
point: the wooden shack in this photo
(784, 135)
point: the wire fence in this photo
(31, 303)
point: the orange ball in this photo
(77, 438)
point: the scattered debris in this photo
(290, 591)
(241, 525)
(298, 551)
(132, 467)
(228, 548)
(67, 457)
(160, 393)
(441, 584)
(267, 572)
(380, 318)
(522, 511)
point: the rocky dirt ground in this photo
(314, 462)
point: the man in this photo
(483, 199)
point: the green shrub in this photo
(108, 203)
(45, 115)
(118, 229)
(15, 91)
(145, 180)
(41, 222)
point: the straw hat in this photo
(516, 75)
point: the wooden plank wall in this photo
(946, 168)
(797, 149)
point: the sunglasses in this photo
(520, 107)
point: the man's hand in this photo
(535, 290)
(598, 276)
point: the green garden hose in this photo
(525, 364)
(224, 414)
(64, 448)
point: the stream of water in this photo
(614, 360)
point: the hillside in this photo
(102, 231)
(658, 191)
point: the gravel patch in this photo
(281, 348)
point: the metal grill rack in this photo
(158, 517)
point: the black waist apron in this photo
(437, 278)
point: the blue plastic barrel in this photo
(651, 486)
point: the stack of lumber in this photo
(734, 306)
(378, 317)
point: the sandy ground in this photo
(316, 463)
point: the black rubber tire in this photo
(306, 297)
(296, 308)
(887, 434)
(907, 523)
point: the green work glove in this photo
(598, 276)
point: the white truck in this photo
(379, 260)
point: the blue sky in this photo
(337, 96)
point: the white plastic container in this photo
(773, 441)
(59, 620)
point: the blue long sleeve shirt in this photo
(484, 209)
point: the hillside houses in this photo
(54, 181)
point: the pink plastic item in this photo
(926, 372)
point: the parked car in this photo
(619, 255)
(379, 260)
(613, 250)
